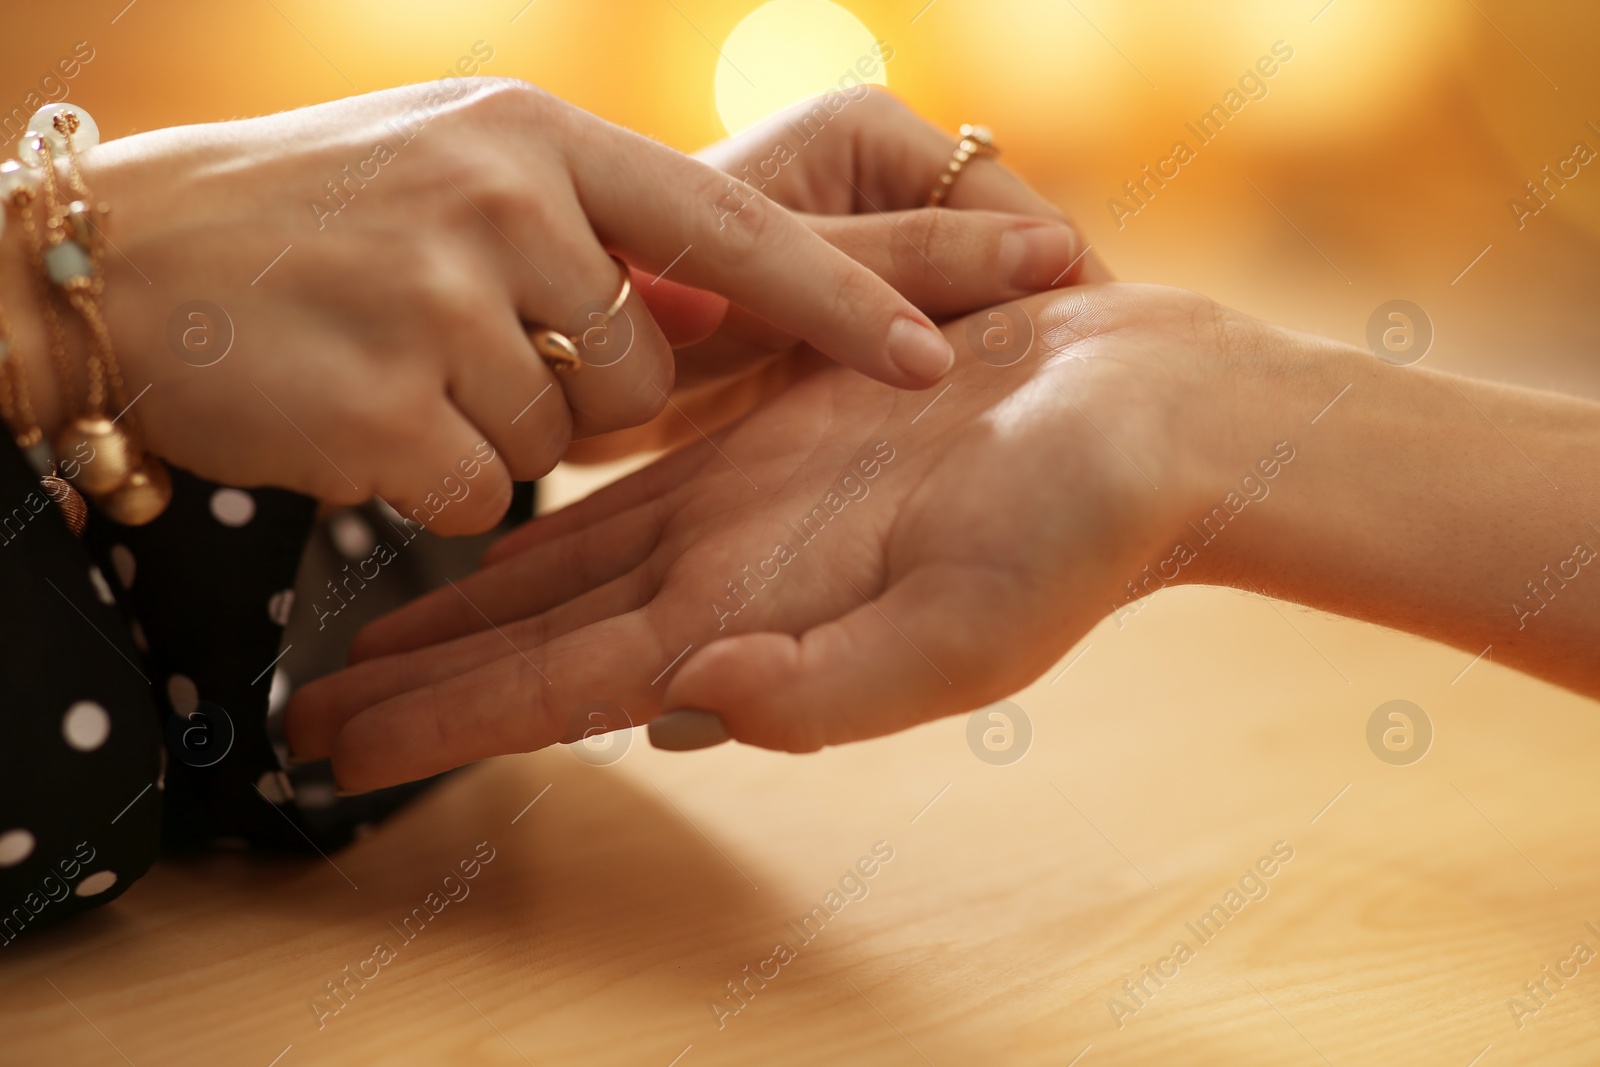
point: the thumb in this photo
(916, 654)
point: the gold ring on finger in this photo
(561, 350)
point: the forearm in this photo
(1458, 510)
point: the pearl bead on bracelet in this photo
(128, 483)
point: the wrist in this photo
(1246, 414)
(1439, 506)
(1156, 412)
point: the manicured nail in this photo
(919, 350)
(1035, 257)
(684, 731)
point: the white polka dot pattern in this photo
(96, 883)
(233, 507)
(15, 846)
(278, 694)
(123, 563)
(102, 588)
(184, 695)
(274, 785)
(280, 605)
(316, 796)
(86, 726)
(351, 535)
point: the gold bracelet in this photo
(16, 402)
(130, 484)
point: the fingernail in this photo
(684, 731)
(1035, 257)
(920, 351)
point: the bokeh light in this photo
(787, 51)
(1393, 139)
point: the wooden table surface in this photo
(1173, 754)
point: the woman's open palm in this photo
(848, 561)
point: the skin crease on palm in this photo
(674, 535)
(879, 159)
(1014, 510)
(1005, 525)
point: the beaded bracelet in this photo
(17, 186)
(17, 407)
(131, 485)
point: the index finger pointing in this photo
(677, 216)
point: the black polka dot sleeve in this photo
(146, 669)
(80, 750)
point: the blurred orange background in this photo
(1378, 165)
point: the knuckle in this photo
(551, 437)
(878, 107)
(647, 393)
(797, 734)
(745, 217)
(496, 493)
(623, 410)
(510, 99)
(478, 104)
(397, 404)
(448, 736)
(526, 633)
(813, 113)
(447, 294)
(855, 295)
(544, 721)
(488, 190)
(652, 401)
(931, 235)
(513, 197)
